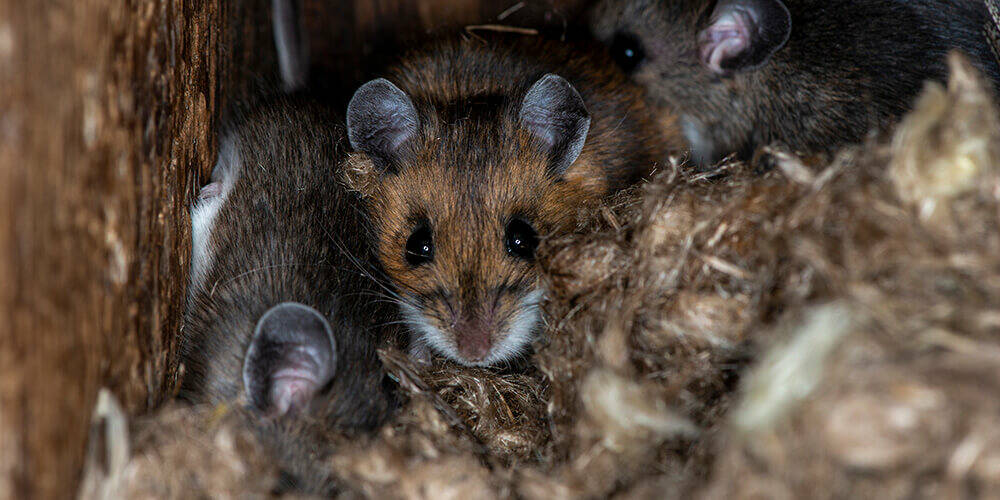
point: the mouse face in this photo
(459, 206)
(689, 54)
(463, 256)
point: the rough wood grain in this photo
(106, 113)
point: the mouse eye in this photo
(627, 51)
(420, 246)
(520, 239)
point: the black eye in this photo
(627, 51)
(420, 246)
(520, 239)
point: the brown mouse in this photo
(813, 74)
(471, 151)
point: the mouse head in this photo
(688, 53)
(460, 188)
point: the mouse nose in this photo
(473, 340)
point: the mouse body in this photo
(469, 152)
(284, 316)
(813, 74)
(280, 312)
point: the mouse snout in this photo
(473, 337)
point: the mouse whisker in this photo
(392, 323)
(227, 281)
(354, 260)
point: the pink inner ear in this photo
(292, 388)
(727, 37)
(296, 382)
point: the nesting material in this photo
(180, 452)
(823, 329)
(948, 143)
(906, 402)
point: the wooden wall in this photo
(106, 114)
(107, 117)
(352, 39)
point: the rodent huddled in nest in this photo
(825, 329)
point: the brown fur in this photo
(472, 168)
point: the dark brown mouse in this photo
(814, 74)
(282, 312)
(284, 317)
(471, 151)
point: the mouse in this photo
(469, 152)
(282, 318)
(279, 311)
(812, 74)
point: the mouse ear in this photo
(555, 114)
(291, 357)
(743, 35)
(380, 119)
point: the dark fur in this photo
(849, 66)
(289, 231)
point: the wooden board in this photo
(106, 116)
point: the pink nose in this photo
(473, 341)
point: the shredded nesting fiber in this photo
(824, 329)
(180, 452)
(892, 390)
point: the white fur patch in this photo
(520, 332)
(425, 333)
(702, 146)
(206, 209)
